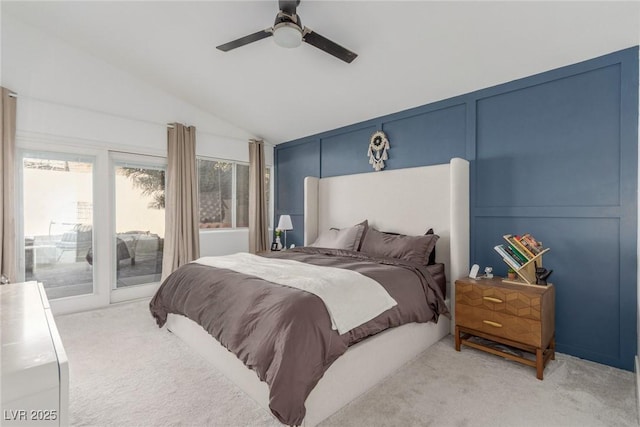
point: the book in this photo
(506, 257)
(515, 255)
(527, 245)
(517, 247)
(532, 244)
(518, 244)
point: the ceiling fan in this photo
(287, 31)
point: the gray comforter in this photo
(284, 334)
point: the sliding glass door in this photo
(91, 222)
(139, 207)
(57, 193)
(92, 226)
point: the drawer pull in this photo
(489, 322)
(492, 299)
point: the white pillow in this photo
(347, 238)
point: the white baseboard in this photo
(638, 385)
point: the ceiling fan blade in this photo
(323, 43)
(246, 40)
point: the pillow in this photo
(432, 255)
(348, 238)
(364, 224)
(416, 249)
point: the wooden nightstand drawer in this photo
(515, 302)
(523, 330)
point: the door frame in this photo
(100, 296)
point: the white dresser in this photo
(34, 372)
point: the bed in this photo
(438, 197)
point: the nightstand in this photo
(520, 316)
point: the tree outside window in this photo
(215, 180)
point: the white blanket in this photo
(351, 298)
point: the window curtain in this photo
(7, 186)
(258, 213)
(182, 222)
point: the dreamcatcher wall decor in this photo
(377, 153)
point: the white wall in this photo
(69, 98)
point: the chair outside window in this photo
(78, 240)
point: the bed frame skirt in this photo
(351, 375)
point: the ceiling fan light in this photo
(287, 34)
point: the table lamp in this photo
(285, 224)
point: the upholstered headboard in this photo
(407, 201)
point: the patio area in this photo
(66, 267)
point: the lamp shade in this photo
(285, 223)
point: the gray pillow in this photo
(432, 255)
(410, 248)
(347, 238)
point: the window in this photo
(139, 221)
(57, 193)
(215, 188)
(92, 228)
(224, 193)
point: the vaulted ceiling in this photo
(409, 53)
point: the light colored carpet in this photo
(127, 372)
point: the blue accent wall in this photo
(554, 154)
